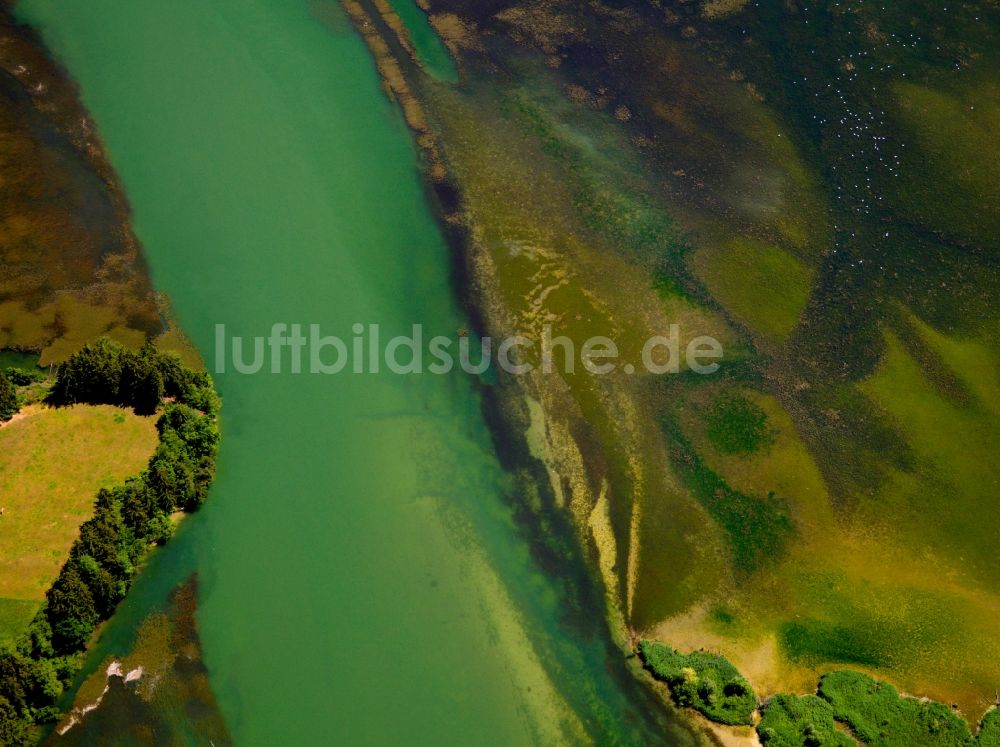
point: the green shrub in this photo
(24, 377)
(708, 683)
(13, 729)
(880, 717)
(792, 721)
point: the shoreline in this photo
(77, 714)
(503, 402)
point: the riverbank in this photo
(558, 501)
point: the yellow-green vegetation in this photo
(954, 446)
(758, 526)
(15, 614)
(763, 286)
(846, 590)
(828, 497)
(705, 682)
(806, 721)
(542, 255)
(52, 462)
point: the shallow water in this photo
(361, 578)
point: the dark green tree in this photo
(71, 610)
(93, 375)
(8, 398)
(138, 505)
(141, 383)
(13, 728)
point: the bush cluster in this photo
(989, 729)
(708, 683)
(23, 376)
(880, 717)
(807, 721)
(127, 519)
(867, 712)
(851, 708)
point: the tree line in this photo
(127, 519)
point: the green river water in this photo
(361, 578)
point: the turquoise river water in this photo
(361, 578)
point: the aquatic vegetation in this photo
(430, 49)
(757, 526)
(71, 266)
(162, 676)
(738, 426)
(763, 190)
(708, 683)
(954, 126)
(761, 285)
(819, 642)
(794, 721)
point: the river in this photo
(361, 579)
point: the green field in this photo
(52, 462)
